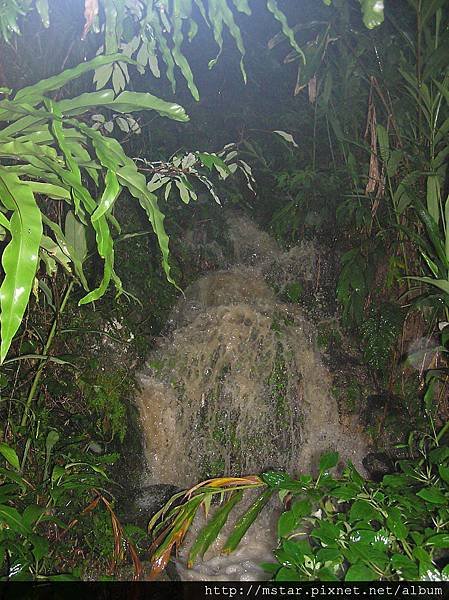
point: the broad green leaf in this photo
(40, 546)
(395, 523)
(286, 574)
(10, 455)
(287, 523)
(444, 473)
(297, 550)
(109, 196)
(13, 520)
(126, 102)
(20, 257)
(438, 455)
(328, 461)
(275, 478)
(433, 495)
(301, 508)
(130, 101)
(31, 514)
(405, 566)
(327, 532)
(48, 189)
(439, 540)
(329, 554)
(360, 572)
(362, 510)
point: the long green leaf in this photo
(245, 522)
(434, 234)
(211, 530)
(286, 29)
(34, 93)
(442, 284)
(20, 257)
(126, 102)
(136, 184)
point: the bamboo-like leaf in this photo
(245, 522)
(210, 531)
(384, 144)
(434, 235)
(441, 284)
(433, 197)
(20, 257)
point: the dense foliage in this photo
(333, 528)
(359, 160)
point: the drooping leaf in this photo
(287, 137)
(245, 522)
(211, 530)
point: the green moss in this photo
(327, 335)
(278, 385)
(104, 392)
(379, 333)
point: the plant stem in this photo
(45, 351)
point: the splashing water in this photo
(238, 385)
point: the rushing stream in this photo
(238, 386)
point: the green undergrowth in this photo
(333, 527)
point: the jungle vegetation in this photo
(349, 143)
